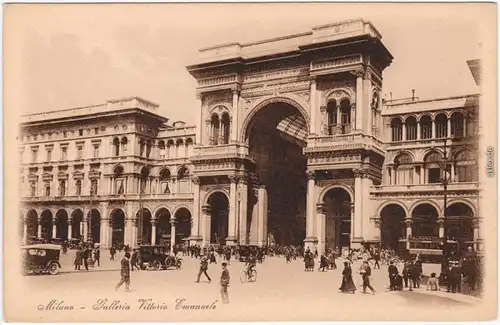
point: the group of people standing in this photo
(86, 253)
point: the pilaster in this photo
(359, 101)
(313, 109)
(242, 198)
(207, 220)
(231, 238)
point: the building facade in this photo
(292, 144)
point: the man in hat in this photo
(224, 282)
(203, 269)
(125, 273)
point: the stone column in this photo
(70, 228)
(39, 232)
(339, 119)
(357, 217)
(408, 223)
(310, 211)
(243, 211)
(85, 227)
(452, 172)
(433, 129)
(321, 227)
(477, 238)
(359, 101)
(323, 120)
(25, 231)
(403, 126)
(440, 223)
(262, 221)
(235, 115)
(233, 202)
(54, 228)
(207, 224)
(153, 231)
(172, 235)
(448, 128)
(418, 130)
(353, 117)
(195, 224)
(313, 106)
(367, 94)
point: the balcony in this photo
(223, 150)
(107, 197)
(423, 188)
(354, 140)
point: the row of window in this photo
(63, 152)
(456, 126)
(94, 188)
(219, 132)
(64, 134)
(169, 150)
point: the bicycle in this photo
(248, 277)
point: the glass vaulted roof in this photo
(294, 126)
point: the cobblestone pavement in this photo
(282, 290)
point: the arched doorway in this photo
(219, 205)
(183, 225)
(32, 224)
(95, 225)
(144, 231)
(276, 136)
(76, 229)
(118, 227)
(337, 204)
(46, 223)
(62, 224)
(459, 225)
(424, 219)
(162, 226)
(392, 228)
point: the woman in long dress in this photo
(347, 283)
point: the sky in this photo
(64, 56)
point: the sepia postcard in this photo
(250, 162)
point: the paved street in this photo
(281, 289)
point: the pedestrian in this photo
(125, 273)
(393, 272)
(203, 269)
(133, 260)
(112, 252)
(415, 276)
(97, 256)
(376, 257)
(406, 273)
(85, 256)
(347, 282)
(366, 272)
(78, 259)
(323, 263)
(432, 283)
(224, 282)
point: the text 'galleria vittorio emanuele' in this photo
(292, 144)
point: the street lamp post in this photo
(89, 232)
(239, 216)
(444, 181)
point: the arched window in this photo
(411, 128)
(189, 147)
(403, 167)
(170, 149)
(465, 167)
(457, 125)
(142, 147)
(124, 143)
(78, 187)
(225, 128)
(149, 146)
(33, 189)
(215, 126)
(144, 180)
(179, 148)
(345, 116)
(62, 188)
(161, 146)
(164, 181)
(183, 179)
(472, 124)
(331, 111)
(397, 129)
(432, 165)
(425, 127)
(441, 122)
(116, 147)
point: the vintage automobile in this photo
(41, 258)
(157, 258)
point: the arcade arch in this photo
(117, 217)
(337, 205)
(182, 218)
(162, 228)
(392, 227)
(219, 210)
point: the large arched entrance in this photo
(183, 225)
(95, 225)
(424, 218)
(276, 136)
(392, 228)
(219, 205)
(118, 227)
(32, 224)
(62, 224)
(144, 231)
(76, 229)
(162, 227)
(46, 223)
(337, 205)
(459, 225)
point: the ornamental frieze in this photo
(326, 85)
(217, 80)
(336, 62)
(336, 148)
(275, 88)
(277, 74)
(220, 98)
